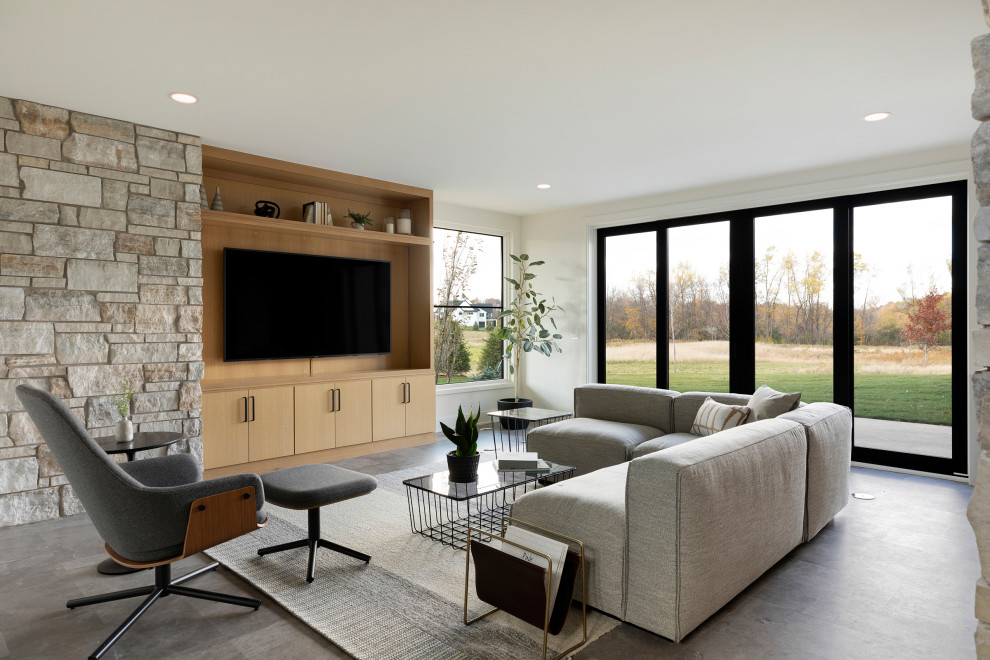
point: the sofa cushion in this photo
(588, 444)
(714, 417)
(663, 442)
(686, 406)
(592, 509)
(829, 430)
(647, 406)
(767, 403)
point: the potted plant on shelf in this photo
(523, 329)
(359, 220)
(462, 463)
(122, 399)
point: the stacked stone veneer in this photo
(100, 282)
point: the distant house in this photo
(469, 312)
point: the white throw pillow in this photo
(767, 403)
(713, 417)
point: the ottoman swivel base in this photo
(314, 541)
(312, 487)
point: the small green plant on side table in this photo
(462, 463)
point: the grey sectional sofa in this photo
(674, 525)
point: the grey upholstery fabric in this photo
(309, 486)
(829, 429)
(592, 509)
(165, 470)
(686, 405)
(767, 403)
(141, 523)
(708, 517)
(663, 442)
(645, 406)
(588, 444)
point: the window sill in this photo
(454, 388)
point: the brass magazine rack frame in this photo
(515, 585)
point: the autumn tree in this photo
(459, 264)
(929, 318)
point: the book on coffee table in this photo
(541, 466)
(518, 460)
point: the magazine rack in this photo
(522, 589)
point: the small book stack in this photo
(317, 213)
(522, 461)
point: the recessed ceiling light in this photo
(543, 186)
(876, 116)
(182, 97)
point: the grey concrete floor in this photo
(907, 437)
(889, 578)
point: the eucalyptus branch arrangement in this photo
(524, 318)
(363, 219)
(122, 398)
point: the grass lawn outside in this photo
(923, 398)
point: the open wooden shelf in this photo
(251, 222)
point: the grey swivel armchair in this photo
(151, 512)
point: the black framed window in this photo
(467, 279)
(847, 299)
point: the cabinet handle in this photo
(403, 392)
(252, 408)
(332, 403)
(339, 405)
(409, 396)
(245, 409)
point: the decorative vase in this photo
(462, 469)
(389, 225)
(217, 201)
(203, 202)
(404, 223)
(125, 431)
(357, 225)
(510, 403)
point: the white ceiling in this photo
(481, 101)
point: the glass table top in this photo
(489, 481)
(530, 414)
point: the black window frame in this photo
(742, 291)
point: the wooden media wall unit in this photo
(266, 415)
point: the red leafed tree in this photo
(929, 318)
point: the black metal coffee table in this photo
(442, 510)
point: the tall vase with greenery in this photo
(525, 317)
(122, 400)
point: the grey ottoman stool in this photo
(311, 487)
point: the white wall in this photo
(565, 239)
(470, 395)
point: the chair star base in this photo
(314, 541)
(164, 586)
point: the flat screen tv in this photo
(278, 305)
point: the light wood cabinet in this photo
(403, 406)
(330, 415)
(247, 425)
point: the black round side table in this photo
(142, 442)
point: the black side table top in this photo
(142, 441)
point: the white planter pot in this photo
(125, 431)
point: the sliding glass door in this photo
(847, 299)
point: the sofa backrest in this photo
(829, 429)
(625, 403)
(686, 405)
(708, 517)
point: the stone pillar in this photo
(100, 282)
(979, 504)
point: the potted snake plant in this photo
(462, 462)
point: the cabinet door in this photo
(315, 419)
(353, 412)
(225, 429)
(272, 433)
(389, 408)
(421, 405)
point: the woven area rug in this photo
(406, 604)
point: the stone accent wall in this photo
(100, 282)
